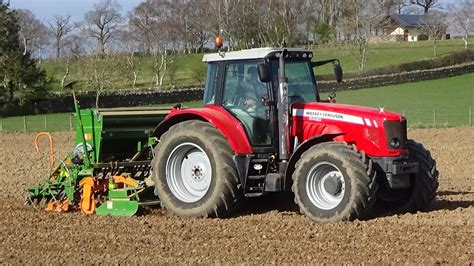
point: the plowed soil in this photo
(268, 231)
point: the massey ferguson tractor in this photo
(263, 128)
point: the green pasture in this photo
(434, 103)
(189, 68)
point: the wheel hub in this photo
(197, 173)
(188, 172)
(325, 186)
(332, 185)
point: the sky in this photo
(45, 10)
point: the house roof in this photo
(409, 20)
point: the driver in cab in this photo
(254, 90)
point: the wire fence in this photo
(439, 117)
(418, 118)
(35, 123)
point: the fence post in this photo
(24, 123)
(470, 116)
(45, 123)
(70, 122)
(434, 117)
(1, 124)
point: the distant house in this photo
(408, 28)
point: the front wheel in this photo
(333, 182)
(194, 173)
(421, 195)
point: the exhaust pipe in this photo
(283, 108)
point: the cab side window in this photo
(211, 84)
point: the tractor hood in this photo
(344, 112)
(370, 129)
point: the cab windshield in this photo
(301, 84)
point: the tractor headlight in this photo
(396, 134)
(395, 143)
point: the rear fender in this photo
(300, 150)
(228, 125)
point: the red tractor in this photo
(264, 128)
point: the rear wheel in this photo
(194, 173)
(333, 182)
(421, 195)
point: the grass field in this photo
(434, 103)
(56, 122)
(379, 55)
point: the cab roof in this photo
(255, 53)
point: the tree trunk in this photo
(465, 41)
(11, 90)
(58, 48)
(97, 99)
(434, 48)
(25, 44)
(164, 66)
(102, 47)
(135, 77)
(66, 74)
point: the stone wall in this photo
(62, 102)
(399, 78)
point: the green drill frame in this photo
(108, 142)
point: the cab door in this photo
(242, 94)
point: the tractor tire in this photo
(421, 196)
(334, 182)
(194, 173)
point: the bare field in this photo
(267, 231)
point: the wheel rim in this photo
(188, 172)
(325, 186)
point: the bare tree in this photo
(143, 17)
(393, 6)
(249, 29)
(425, 4)
(102, 22)
(60, 26)
(225, 10)
(103, 72)
(200, 27)
(360, 18)
(129, 44)
(464, 20)
(434, 27)
(75, 46)
(328, 14)
(161, 39)
(33, 33)
(285, 19)
(400, 5)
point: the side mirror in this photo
(264, 72)
(335, 63)
(338, 72)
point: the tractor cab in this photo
(245, 83)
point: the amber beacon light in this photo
(219, 42)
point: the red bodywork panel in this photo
(361, 126)
(230, 127)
